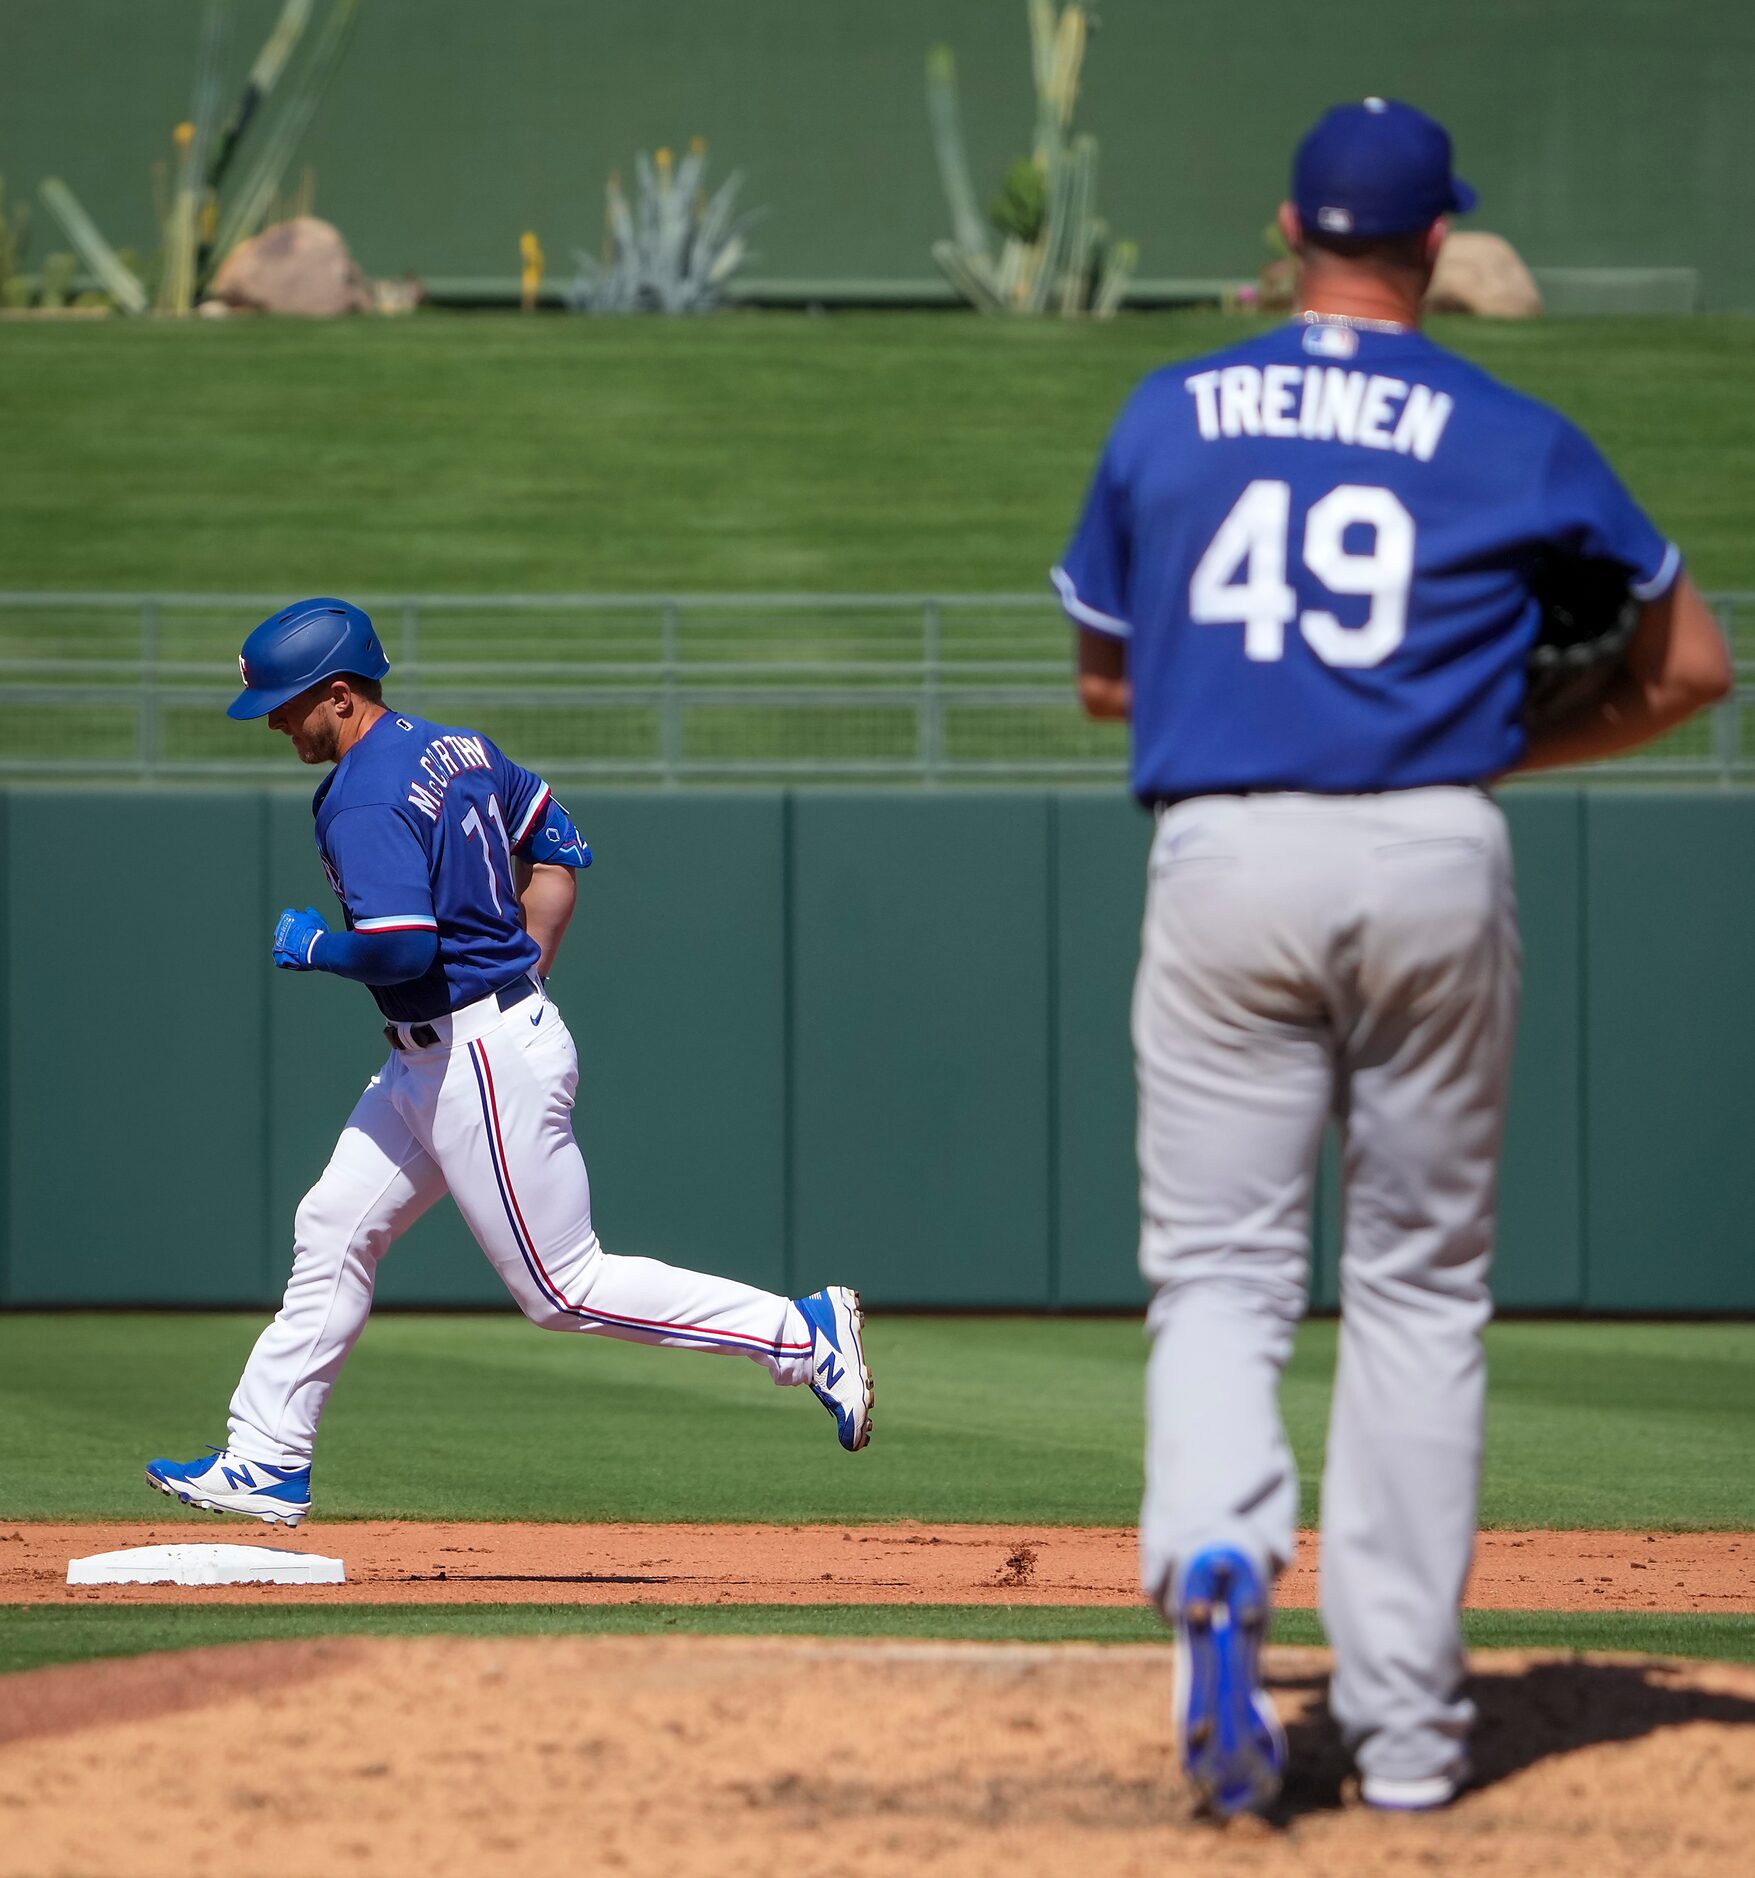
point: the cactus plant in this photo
(672, 248)
(58, 274)
(1054, 251)
(202, 219)
(243, 209)
(183, 230)
(119, 280)
(14, 233)
(271, 61)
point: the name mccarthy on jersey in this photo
(443, 758)
(1321, 403)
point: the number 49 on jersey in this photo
(1241, 578)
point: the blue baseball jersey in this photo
(1319, 547)
(417, 825)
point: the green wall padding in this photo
(137, 1058)
(920, 1143)
(1100, 846)
(673, 983)
(1539, 1260)
(825, 1036)
(1670, 1037)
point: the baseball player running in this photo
(456, 872)
(1306, 570)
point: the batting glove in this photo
(295, 939)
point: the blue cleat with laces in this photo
(839, 1378)
(224, 1482)
(1227, 1734)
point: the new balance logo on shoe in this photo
(838, 1376)
(241, 1477)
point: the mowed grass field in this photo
(1029, 1420)
(34, 1635)
(884, 453)
(748, 452)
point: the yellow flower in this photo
(183, 135)
(530, 279)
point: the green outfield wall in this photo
(1602, 134)
(877, 1038)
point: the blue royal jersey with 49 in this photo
(417, 826)
(1319, 546)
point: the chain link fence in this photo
(647, 689)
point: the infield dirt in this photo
(561, 1755)
(409, 1562)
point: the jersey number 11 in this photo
(473, 828)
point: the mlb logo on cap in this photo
(1376, 168)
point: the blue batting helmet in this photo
(308, 641)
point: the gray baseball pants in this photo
(1302, 956)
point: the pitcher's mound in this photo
(681, 1755)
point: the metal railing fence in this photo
(647, 688)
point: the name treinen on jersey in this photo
(1322, 403)
(442, 759)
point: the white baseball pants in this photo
(486, 1115)
(1305, 955)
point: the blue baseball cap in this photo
(305, 642)
(1376, 168)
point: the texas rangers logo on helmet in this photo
(243, 670)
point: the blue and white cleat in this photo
(224, 1482)
(1227, 1734)
(839, 1378)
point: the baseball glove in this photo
(1588, 621)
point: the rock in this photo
(301, 266)
(1482, 273)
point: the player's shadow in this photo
(544, 1578)
(1524, 1717)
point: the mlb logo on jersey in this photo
(1331, 342)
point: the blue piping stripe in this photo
(530, 1265)
(527, 1252)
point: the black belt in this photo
(1156, 805)
(424, 1036)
